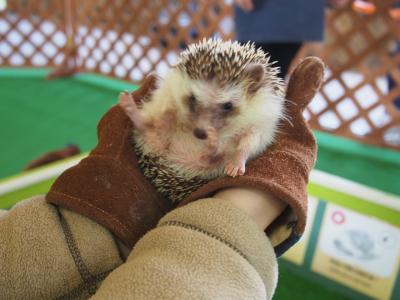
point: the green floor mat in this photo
(38, 115)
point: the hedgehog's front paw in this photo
(234, 169)
(128, 105)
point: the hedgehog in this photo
(216, 109)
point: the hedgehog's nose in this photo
(200, 133)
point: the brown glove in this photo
(284, 168)
(108, 186)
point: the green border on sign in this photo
(355, 203)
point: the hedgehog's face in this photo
(204, 104)
(207, 106)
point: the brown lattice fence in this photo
(362, 88)
(129, 39)
(32, 33)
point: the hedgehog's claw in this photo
(234, 169)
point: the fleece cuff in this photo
(230, 225)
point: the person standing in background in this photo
(280, 27)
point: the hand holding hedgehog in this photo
(218, 108)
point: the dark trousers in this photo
(282, 53)
(392, 82)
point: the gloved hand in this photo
(108, 186)
(283, 169)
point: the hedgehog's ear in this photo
(254, 73)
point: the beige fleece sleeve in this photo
(206, 250)
(35, 260)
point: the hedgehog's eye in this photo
(192, 98)
(192, 102)
(227, 106)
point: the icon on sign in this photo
(338, 217)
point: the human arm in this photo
(263, 208)
(210, 249)
(35, 260)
